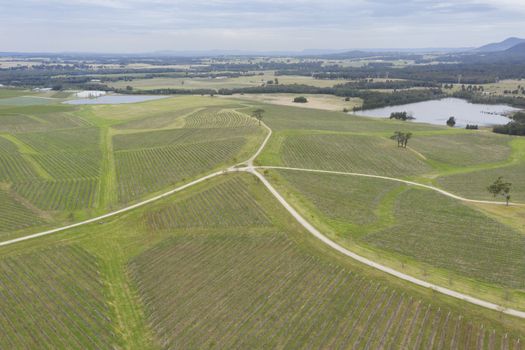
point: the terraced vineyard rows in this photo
(173, 137)
(15, 168)
(61, 194)
(39, 118)
(228, 204)
(216, 118)
(463, 149)
(420, 224)
(71, 165)
(53, 299)
(149, 170)
(14, 215)
(364, 154)
(499, 256)
(474, 184)
(239, 291)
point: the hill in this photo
(501, 46)
(517, 49)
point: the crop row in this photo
(263, 292)
(371, 155)
(441, 232)
(213, 118)
(162, 138)
(39, 118)
(149, 170)
(72, 194)
(77, 139)
(421, 224)
(228, 204)
(15, 168)
(70, 165)
(155, 120)
(14, 215)
(7, 147)
(474, 184)
(53, 299)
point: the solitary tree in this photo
(401, 138)
(398, 136)
(451, 121)
(500, 187)
(258, 114)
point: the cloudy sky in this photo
(152, 25)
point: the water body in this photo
(438, 111)
(113, 100)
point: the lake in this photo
(113, 100)
(438, 111)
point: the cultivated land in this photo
(222, 82)
(222, 264)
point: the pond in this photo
(438, 111)
(113, 100)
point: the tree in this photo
(499, 187)
(451, 121)
(406, 137)
(401, 138)
(258, 114)
(300, 99)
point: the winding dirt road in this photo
(248, 167)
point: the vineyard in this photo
(73, 194)
(342, 199)
(252, 292)
(53, 299)
(463, 149)
(441, 232)
(149, 170)
(474, 184)
(228, 204)
(289, 118)
(14, 215)
(421, 224)
(217, 118)
(371, 155)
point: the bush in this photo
(401, 116)
(300, 99)
(451, 121)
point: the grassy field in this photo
(221, 277)
(66, 163)
(222, 265)
(323, 102)
(415, 230)
(221, 83)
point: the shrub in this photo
(300, 99)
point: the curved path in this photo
(443, 192)
(248, 167)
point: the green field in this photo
(222, 264)
(156, 278)
(221, 82)
(62, 163)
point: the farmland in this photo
(53, 299)
(221, 82)
(222, 264)
(61, 162)
(212, 278)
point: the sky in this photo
(132, 26)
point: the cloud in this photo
(229, 23)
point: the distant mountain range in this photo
(504, 45)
